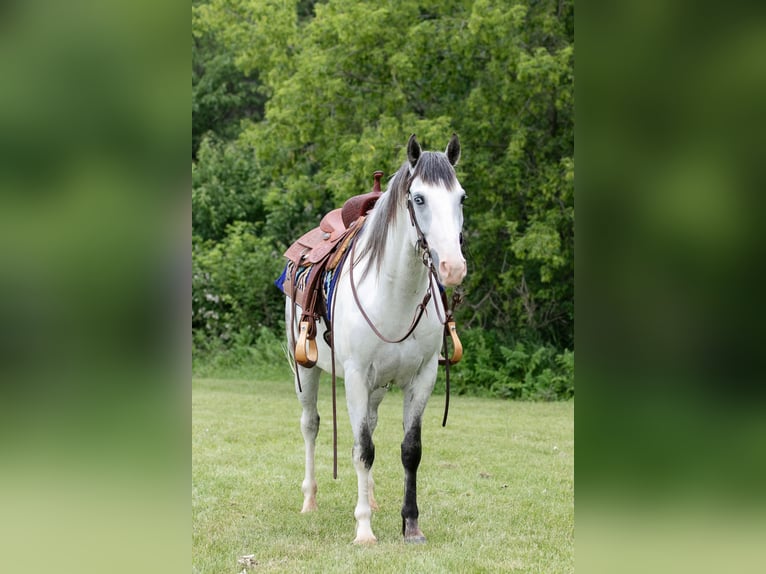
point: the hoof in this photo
(411, 531)
(419, 539)
(309, 496)
(365, 540)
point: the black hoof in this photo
(415, 539)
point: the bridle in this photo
(447, 319)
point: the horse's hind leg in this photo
(309, 428)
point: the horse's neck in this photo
(401, 281)
(401, 269)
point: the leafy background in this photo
(296, 103)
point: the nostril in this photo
(451, 272)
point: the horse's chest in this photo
(383, 363)
(399, 363)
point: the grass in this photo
(495, 486)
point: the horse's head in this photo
(436, 198)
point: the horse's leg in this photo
(415, 399)
(309, 429)
(363, 453)
(372, 415)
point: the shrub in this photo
(225, 188)
(233, 286)
(493, 366)
(248, 353)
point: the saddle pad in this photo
(306, 280)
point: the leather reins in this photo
(419, 310)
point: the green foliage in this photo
(495, 366)
(233, 285)
(225, 188)
(244, 354)
(222, 95)
(344, 85)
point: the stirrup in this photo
(306, 352)
(457, 346)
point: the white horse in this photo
(419, 218)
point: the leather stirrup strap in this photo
(292, 328)
(451, 330)
(306, 352)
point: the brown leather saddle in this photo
(313, 256)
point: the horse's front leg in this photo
(415, 399)
(376, 396)
(363, 454)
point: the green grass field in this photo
(495, 486)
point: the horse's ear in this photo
(453, 149)
(413, 151)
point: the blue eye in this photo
(419, 200)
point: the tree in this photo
(222, 95)
(347, 82)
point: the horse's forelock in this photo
(434, 168)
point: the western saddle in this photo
(316, 254)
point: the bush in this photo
(225, 188)
(493, 366)
(233, 286)
(248, 353)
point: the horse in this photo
(411, 239)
